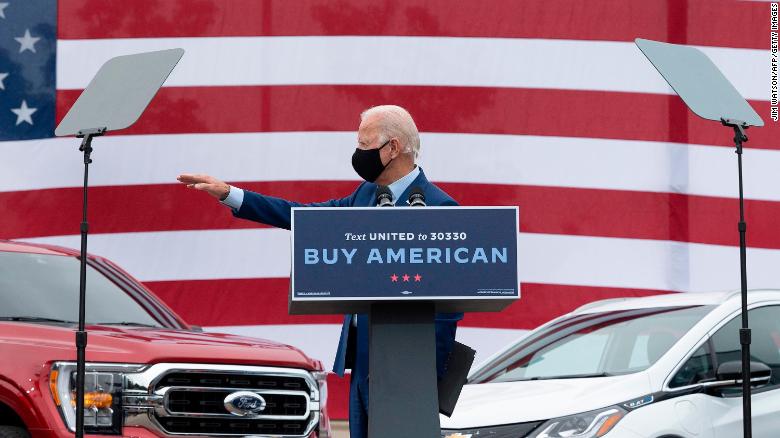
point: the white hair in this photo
(395, 121)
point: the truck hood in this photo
(130, 344)
(492, 404)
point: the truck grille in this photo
(223, 426)
(211, 401)
(237, 381)
(193, 403)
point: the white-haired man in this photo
(388, 145)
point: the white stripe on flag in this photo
(544, 258)
(448, 61)
(324, 156)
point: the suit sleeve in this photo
(276, 211)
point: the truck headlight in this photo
(591, 424)
(103, 384)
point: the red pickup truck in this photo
(148, 372)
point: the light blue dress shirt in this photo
(403, 183)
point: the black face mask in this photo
(368, 163)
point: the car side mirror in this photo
(760, 373)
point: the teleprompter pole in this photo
(744, 333)
(81, 335)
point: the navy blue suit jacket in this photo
(353, 349)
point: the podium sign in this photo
(461, 258)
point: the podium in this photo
(401, 266)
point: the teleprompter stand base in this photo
(403, 400)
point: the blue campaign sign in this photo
(453, 254)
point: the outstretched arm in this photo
(255, 206)
(276, 211)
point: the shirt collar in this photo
(403, 183)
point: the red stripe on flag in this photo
(551, 210)
(698, 22)
(233, 302)
(258, 301)
(546, 112)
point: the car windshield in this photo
(594, 345)
(45, 288)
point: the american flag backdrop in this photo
(544, 104)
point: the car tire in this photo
(13, 432)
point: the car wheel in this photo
(13, 432)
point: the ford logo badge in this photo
(244, 403)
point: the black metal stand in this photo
(744, 333)
(403, 395)
(81, 335)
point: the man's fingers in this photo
(190, 178)
(187, 178)
(206, 183)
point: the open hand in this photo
(209, 184)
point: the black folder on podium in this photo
(458, 365)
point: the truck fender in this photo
(19, 402)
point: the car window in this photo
(765, 328)
(696, 369)
(595, 344)
(47, 287)
(554, 360)
(639, 355)
(651, 344)
(765, 347)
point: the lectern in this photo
(401, 266)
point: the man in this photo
(388, 145)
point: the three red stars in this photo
(405, 277)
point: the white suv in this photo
(656, 367)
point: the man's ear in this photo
(395, 148)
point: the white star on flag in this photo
(24, 113)
(27, 42)
(3, 5)
(2, 78)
